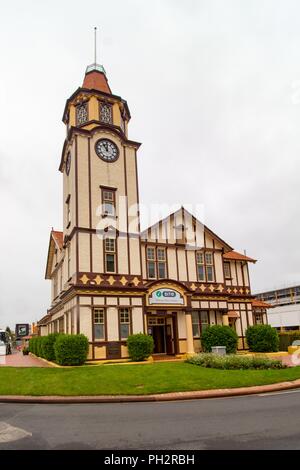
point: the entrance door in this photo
(158, 333)
(169, 339)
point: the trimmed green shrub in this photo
(140, 346)
(71, 350)
(262, 338)
(39, 341)
(286, 338)
(33, 345)
(219, 335)
(48, 346)
(234, 361)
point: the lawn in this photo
(132, 379)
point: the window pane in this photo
(196, 330)
(99, 331)
(108, 208)
(195, 317)
(161, 270)
(210, 273)
(201, 272)
(151, 269)
(110, 244)
(98, 315)
(151, 253)
(208, 258)
(110, 263)
(204, 316)
(161, 254)
(199, 258)
(124, 315)
(124, 330)
(227, 270)
(108, 196)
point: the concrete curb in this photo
(218, 393)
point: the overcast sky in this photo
(214, 92)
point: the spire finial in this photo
(95, 44)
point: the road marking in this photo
(9, 433)
(277, 393)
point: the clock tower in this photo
(100, 185)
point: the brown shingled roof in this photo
(96, 80)
(234, 255)
(260, 304)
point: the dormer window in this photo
(105, 112)
(81, 113)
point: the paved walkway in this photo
(17, 359)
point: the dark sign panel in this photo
(22, 329)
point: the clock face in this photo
(107, 150)
(68, 163)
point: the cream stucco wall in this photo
(112, 324)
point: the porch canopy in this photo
(232, 314)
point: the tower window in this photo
(81, 113)
(105, 111)
(108, 201)
(110, 255)
(68, 211)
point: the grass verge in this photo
(132, 379)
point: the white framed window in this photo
(227, 270)
(200, 266)
(99, 324)
(161, 263)
(110, 255)
(124, 316)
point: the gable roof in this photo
(144, 233)
(55, 243)
(234, 255)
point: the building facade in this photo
(285, 311)
(108, 278)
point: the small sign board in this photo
(22, 329)
(166, 296)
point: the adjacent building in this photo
(285, 303)
(110, 279)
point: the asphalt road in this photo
(269, 421)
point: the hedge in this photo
(286, 338)
(71, 350)
(234, 361)
(262, 338)
(140, 346)
(219, 335)
(48, 346)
